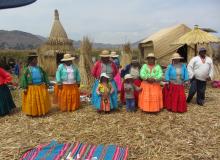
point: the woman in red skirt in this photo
(176, 75)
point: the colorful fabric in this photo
(137, 82)
(5, 77)
(36, 101)
(36, 75)
(6, 101)
(96, 98)
(57, 151)
(62, 74)
(171, 73)
(68, 97)
(146, 72)
(97, 69)
(130, 105)
(104, 90)
(174, 98)
(27, 78)
(150, 99)
(118, 81)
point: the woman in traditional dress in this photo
(176, 75)
(68, 80)
(34, 82)
(134, 70)
(117, 78)
(151, 99)
(6, 101)
(104, 65)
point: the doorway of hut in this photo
(183, 53)
(59, 57)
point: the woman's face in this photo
(68, 63)
(151, 60)
(105, 59)
(176, 61)
(34, 61)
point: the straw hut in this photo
(160, 44)
(51, 53)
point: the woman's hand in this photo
(25, 91)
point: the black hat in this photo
(32, 54)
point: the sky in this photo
(111, 21)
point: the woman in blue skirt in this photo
(104, 65)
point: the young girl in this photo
(104, 90)
(130, 88)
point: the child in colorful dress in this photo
(104, 89)
(130, 88)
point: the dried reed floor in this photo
(162, 136)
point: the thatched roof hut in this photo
(162, 43)
(56, 46)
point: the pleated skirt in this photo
(174, 98)
(150, 99)
(36, 102)
(68, 97)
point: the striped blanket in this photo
(75, 151)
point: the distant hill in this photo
(20, 40)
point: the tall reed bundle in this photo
(85, 62)
(126, 56)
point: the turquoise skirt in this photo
(96, 99)
(6, 101)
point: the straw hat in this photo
(114, 54)
(67, 57)
(176, 56)
(105, 53)
(128, 76)
(150, 55)
(32, 54)
(104, 75)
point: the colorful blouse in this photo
(28, 78)
(5, 77)
(67, 76)
(104, 89)
(97, 69)
(171, 73)
(36, 75)
(146, 72)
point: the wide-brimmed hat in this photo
(104, 75)
(114, 54)
(67, 57)
(150, 55)
(176, 56)
(104, 53)
(32, 54)
(128, 76)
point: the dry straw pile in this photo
(164, 136)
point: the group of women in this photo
(108, 83)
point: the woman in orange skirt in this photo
(34, 81)
(68, 80)
(151, 99)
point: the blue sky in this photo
(111, 21)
